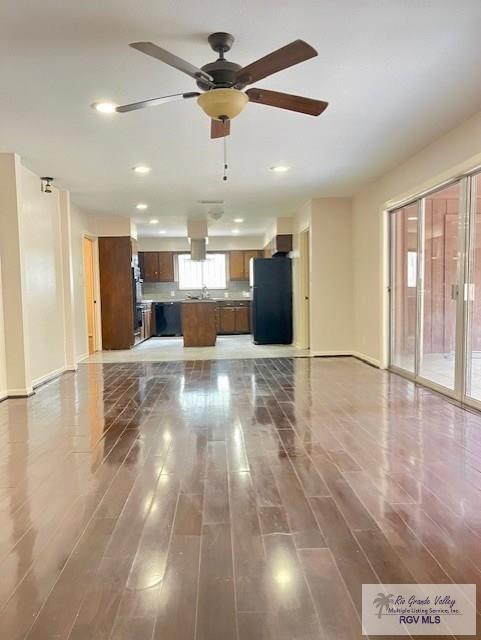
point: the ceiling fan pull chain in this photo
(225, 160)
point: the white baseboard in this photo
(48, 376)
(3, 394)
(326, 354)
(71, 367)
(355, 354)
(82, 357)
(366, 358)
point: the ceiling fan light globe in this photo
(223, 104)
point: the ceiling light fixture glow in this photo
(104, 106)
(222, 104)
(142, 206)
(238, 220)
(414, 218)
(281, 168)
(142, 169)
(162, 231)
(154, 221)
(235, 230)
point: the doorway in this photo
(90, 299)
(304, 272)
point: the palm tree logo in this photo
(382, 602)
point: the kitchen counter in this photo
(199, 323)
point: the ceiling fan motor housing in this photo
(222, 71)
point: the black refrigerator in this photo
(271, 307)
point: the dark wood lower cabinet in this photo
(233, 317)
(227, 320)
(242, 320)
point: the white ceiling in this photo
(397, 73)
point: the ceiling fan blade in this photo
(287, 101)
(285, 57)
(153, 102)
(151, 49)
(219, 128)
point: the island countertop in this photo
(199, 323)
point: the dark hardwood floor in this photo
(229, 500)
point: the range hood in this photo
(197, 233)
(197, 249)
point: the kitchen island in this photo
(199, 323)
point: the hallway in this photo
(229, 499)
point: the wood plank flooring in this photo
(229, 500)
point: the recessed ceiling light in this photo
(235, 230)
(238, 220)
(104, 106)
(280, 168)
(162, 231)
(142, 206)
(154, 221)
(141, 169)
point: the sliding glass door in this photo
(440, 252)
(427, 277)
(404, 258)
(473, 295)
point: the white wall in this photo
(457, 151)
(331, 282)
(42, 267)
(216, 243)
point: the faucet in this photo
(205, 293)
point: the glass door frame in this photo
(461, 336)
(469, 282)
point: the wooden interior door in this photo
(88, 255)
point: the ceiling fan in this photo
(222, 82)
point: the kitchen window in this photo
(210, 273)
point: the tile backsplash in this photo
(159, 291)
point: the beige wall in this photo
(457, 151)
(216, 243)
(42, 268)
(329, 221)
(331, 286)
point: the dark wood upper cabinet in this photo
(166, 266)
(247, 258)
(156, 266)
(239, 263)
(150, 265)
(236, 265)
(280, 245)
